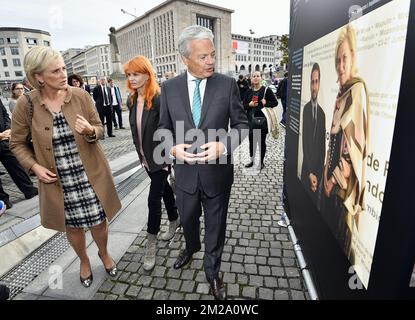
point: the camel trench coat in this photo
(96, 166)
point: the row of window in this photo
(16, 73)
(248, 58)
(161, 70)
(13, 50)
(164, 32)
(165, 59)
(16, 63)
(29, 41)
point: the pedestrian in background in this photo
(75, 182)
(257, 98)
(103, 102)
(116, 104)
(243, 86)
(144, 106)
(17, 92)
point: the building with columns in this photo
(155, 34)
(256, 54)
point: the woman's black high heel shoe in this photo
(113, 271)
(87, 282)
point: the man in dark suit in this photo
(116, 104)
(314, 132)
(202, 105)
(103, 102)
(9, 161)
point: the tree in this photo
(284, 48)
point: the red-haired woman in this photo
(144, 106)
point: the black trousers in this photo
(215, 211)
(117, 112)
(105, 114)
(17, 173)
(260, 137)
(160, 189)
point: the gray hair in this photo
(194, 32)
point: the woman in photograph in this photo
(76, 188)
(144, 106)
(344, 170)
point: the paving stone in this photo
(232, 289)
(145, 294)
(282, 283)
(271, 282)
(133, 291)
(161, 295)
(99, 296)
(192, 296)
(173, 273)
(159, 271)
(251, 269)
(241, 279)
(229, 277)
(107, 286)
(266, 294)
(237, 258)
(111, 297)
(237, 268)
(173, 284)
(256, 281)
(295, 284)
(281, 295)
(249, 259)
(187, 286)
(297, 295)
(188, 274)
(249, 292)
(264, 270)
(124, 277)
(176, 296)
(158, 283)
(144, 281)
(277, 271)
(261, 260)
(292, 272)
(203, 288)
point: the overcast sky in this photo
(77, 23)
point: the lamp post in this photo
(126, 12)
(252, 50)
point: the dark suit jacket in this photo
(4, 125)
(99, 97)
(314, 137)
(221, 109)
(149, 124)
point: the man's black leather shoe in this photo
(182, 260)
(218, 289)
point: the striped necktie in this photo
(197, 103)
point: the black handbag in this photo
(29, 141)
(259, 122)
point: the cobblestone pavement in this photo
(258, 260)
(113, 148)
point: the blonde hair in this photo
(37, 60)
(347, 34)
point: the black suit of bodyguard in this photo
(202, 184)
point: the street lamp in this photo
(252, 50)
(126, 12)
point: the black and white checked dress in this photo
(82, 207)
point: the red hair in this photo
(141, 64)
